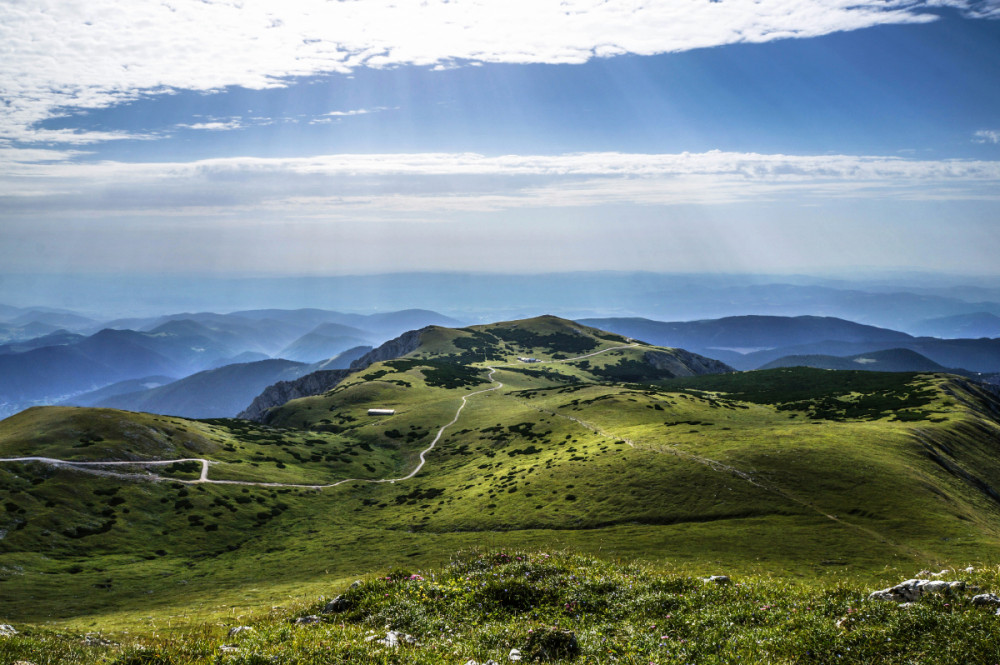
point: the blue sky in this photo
(362, 137)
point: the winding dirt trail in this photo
(96, 468)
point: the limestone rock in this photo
(514, 655)
(7, 630)
(236, 630)
(338, 604)
(717, 579)
(911, 590)
(392, 639)
(990, 599)
(307, 620)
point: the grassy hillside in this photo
(792, 472)
(548, 606)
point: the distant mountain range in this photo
(890, 360)
(751, 342)
(57, 364)
(207, 350)
(975, 325)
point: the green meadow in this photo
(612, 462)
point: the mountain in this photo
(342, 360)
(14, 333)
(386, 324)
(508, 341)
(214, 393)
(120, 388)
(977, 324)
(890, 360)
(751, 342)
(326, 376)
(325, 341)
(793, 468)
(540, 433)
(748, 332)
(54, 318)
(52, 372)
(975, 355)
(56, 338)
(735, 339)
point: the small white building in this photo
(381, 412)
(529, 360)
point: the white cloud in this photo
(987, 136)
(411, 185)
(214, 126)
(71, 54)
(334, 116)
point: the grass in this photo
(554, 606)
(818, 477)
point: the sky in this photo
(309, 137)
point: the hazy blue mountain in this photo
(342, 360)
(384, 325)
(325, 341)
(57, 338)
(750, 342)
(53, 372)
(245, 357)
(67, 320)
(974, 355)
(119, 388)
(11, 333)
(745, 333)
(891, 300)
(215, 393)
(975, 325)
(264, 335)
(889, 360)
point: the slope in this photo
(214, 393)
(790, 470)
(889, 360)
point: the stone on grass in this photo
(392, 639)
(338, 604)
(717, 579)
(990, 599)
(514, 655)
(7, 630)
(911, 590)
(236, 630)
(306, 620)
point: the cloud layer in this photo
(421, 186)
(61, 55)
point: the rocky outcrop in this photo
(911, 590)
(684, 363)
(319, 382)
(281, 392)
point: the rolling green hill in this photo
(606, 446)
